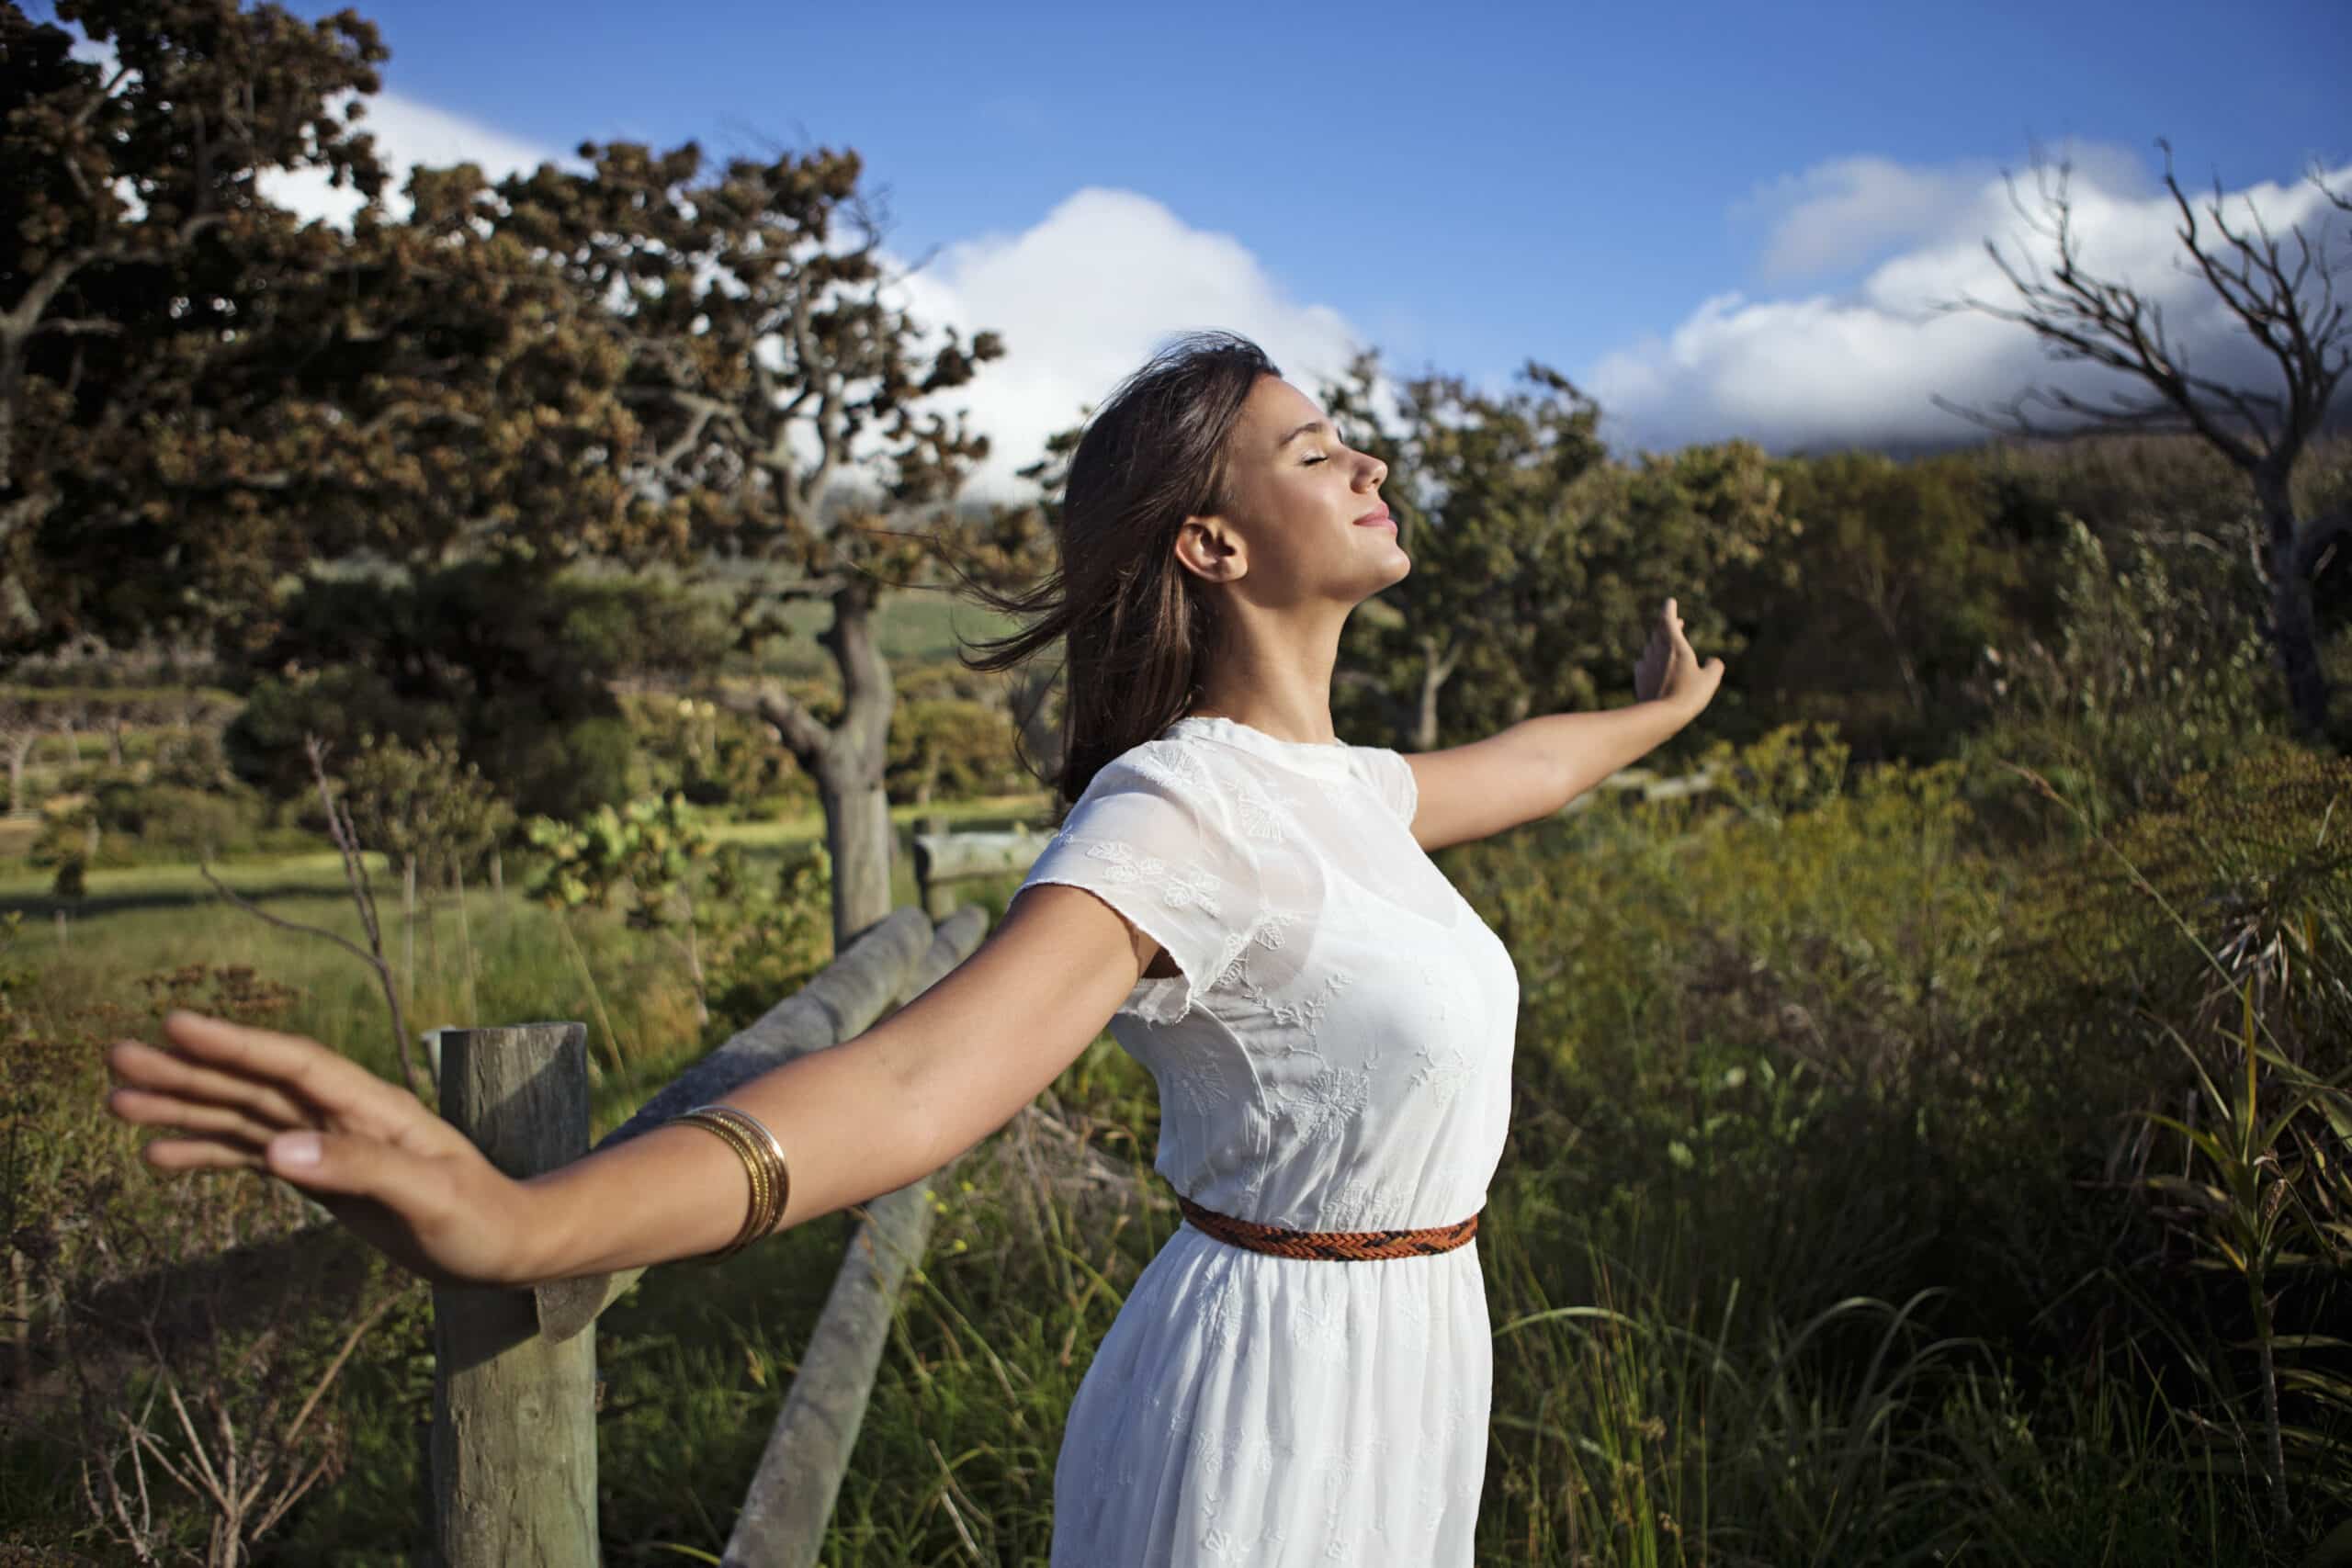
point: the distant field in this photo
(912, 625)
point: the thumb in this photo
(342, 1162)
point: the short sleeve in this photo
(1392, 777)
(1148, 838)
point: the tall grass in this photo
(1822, 1237)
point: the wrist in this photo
(535, 1235)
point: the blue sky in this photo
(1725, 218)
(1473, 183)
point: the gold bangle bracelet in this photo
(772, 1153)
(754, 1174)
(755, 1170)
(763, 1165)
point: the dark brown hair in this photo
(1135, 626)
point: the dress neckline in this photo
(1329, 759)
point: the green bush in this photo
(949, 748)
(2159, 668)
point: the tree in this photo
(1481, 498)
(1900, 584)
(2280, 288)
(779, 391)
(1538, 564)
(134, 248)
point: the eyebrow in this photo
(1312, 425)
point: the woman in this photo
(1302, 1373)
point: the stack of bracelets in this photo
(762, 1160)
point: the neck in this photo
(1273, 673)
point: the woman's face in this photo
(1304, 518)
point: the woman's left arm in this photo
(1533, 769)
(1539, 765)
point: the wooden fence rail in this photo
(514, 1440)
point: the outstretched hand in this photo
(232, 1097)
(1670, 670)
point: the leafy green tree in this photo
(517, 668)
(1538, 564)
(432, 814)
(780, 392)
(135, 256)
(1899, 585)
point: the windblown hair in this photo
(1135, 626)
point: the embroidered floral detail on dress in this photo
(1221, 1320)
(1323, 1333)
(1179, 887)
(1264, 811)
(1318, 1108)
(1308, 1012)
(1352, 1207)
(1199, 1073)
(1443, 1067)
(1176, 768)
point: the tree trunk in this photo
(113, 743)
(1434, 674)
(20, 748)
(849, 773)
(858, 836)
(2294, 635)
(1042, 739)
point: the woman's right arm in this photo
(861, 1118)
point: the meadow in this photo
(1840, 1221)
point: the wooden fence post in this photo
(514, 1412)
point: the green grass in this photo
(1797, 1255)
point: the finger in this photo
(141, 1066)
(174, 1155)
(146, 1109)
(1670, 609)
(333, 1083)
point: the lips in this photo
(1379, 519)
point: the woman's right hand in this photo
(233, 1097)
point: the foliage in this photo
(2154, 671)
(952, 748)
(136, 253)
(713, 755)
(423, 809)
(761, 942)
(516, 672)
(645, 848)
(1900, 581)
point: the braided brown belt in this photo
(1338, 1245)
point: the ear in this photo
(1207, 547)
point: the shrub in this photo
(950, 747)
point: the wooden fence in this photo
(512, 1444)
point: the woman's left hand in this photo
(1668, 670)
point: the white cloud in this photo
(1861, 366)
(1081, 298)
(408, 132)
(1086, 294)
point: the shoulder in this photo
(1171, 766)
(1390, 775)
(1169, 769)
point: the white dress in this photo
(1335, 1056)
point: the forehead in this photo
(1273, 408)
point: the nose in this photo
(1379, 472)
